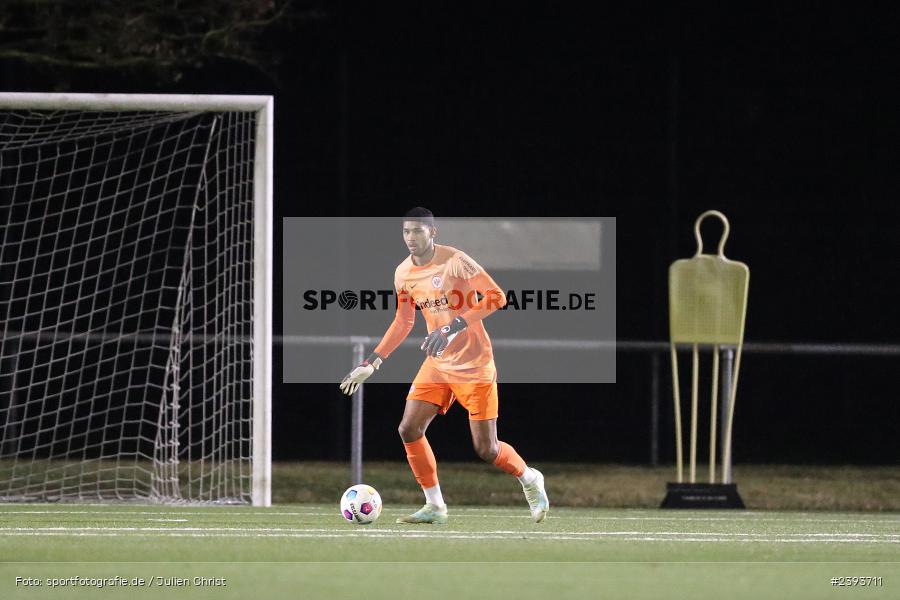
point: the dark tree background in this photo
(783, 115)
(148, 39)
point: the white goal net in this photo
(135, 278)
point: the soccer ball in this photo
(361, 504)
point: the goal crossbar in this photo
(129, 102)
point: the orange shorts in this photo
(479, 397)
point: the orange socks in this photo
(508, 460)
(422, 462)
(424, 466)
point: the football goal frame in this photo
(262, 232)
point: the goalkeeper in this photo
(444, 283)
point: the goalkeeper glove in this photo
(354, 379)
(437, 340)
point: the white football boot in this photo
(428, 514)
(537, 497)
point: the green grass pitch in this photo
(308, 551)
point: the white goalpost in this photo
(135, 293)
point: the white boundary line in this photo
(672, 536)
(464, 536)
(216, 512)
(438, 533)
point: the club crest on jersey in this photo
(436, 281)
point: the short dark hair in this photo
(420, 214)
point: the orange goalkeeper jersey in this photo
(451, 285)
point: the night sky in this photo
(784, 116)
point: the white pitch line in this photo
(494, 534)
(310, 535)
(473, 513)
(107, 513)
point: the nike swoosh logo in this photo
(412, 285)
